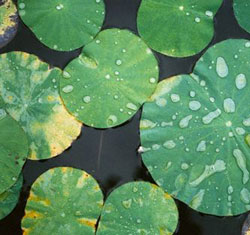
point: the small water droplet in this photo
(152, 80)
(241, 81)
(169, 144)
(118, 62)
(221, 67)
(197, 19)
(66, 74)
(201, 146)
(209, 13)
(131, 106)
(175, 98)
(192, 94)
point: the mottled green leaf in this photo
(13, 150)
(138, 208)
(195, 132)
(62, 201)
(63, 25)
(110, 80)
(9, 198)
(29, 89)
(8, 21)
(242, 12)
(177, 28)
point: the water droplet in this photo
(131, 106)
(247, 44)
(192, 94)
(117, 73)
(170, 144)
(97, 41)
(197, 19)
(155, 146)
(241, 81)
(201, 146)
(67, 89)
(184, 166)
(221, 67)
(211, 116)
(175, 98)
(161, 102)
(197, 199)
(14, 178)
(228, 123)
(246, 122)
(241, 161)
(164, 124)
(63, 214)
(245, 195)
(112, 119)
(240, 131)
(230, 189)
(194, 105)
(66, 74)
(59, 7)
(127, 203)
(209, 13)
(185, 121)
(152, 80)
(86, 99)
(22, 5)
(212, 99)
(118, 62)
(138, 221)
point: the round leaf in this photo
(195, 132)
(8, 21)
(138, 208)
(177, 28)
(241, 11)
(62, 201)
(63, 25)
(107, 83)
(29, 89)
(9, 198)
(13, 150)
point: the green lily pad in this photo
(29, 89)
(13, 150)
(195, 132)
(104, 89)
(8, 21)
(138, 208)
(9, 198)
(63, 25)
(177, 28)
(241, 11)
(62, 201)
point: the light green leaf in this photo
(177, 28)
(63, 201)
(242, 11)
(138, 208)
(8, 21)
(195, 132)
(9, 198)
(13, 150)
(29, 89)
(63, 25)
(109, 81)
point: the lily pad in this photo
(241, 11)
(110, 80)
(195, 132)
(29, 89)
(177, 28)
(8, 21)
(62, 201)
(9, 198)
(13, 150)
(63, 25)
(138, 208)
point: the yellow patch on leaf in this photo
(32, 214)
(89, 222)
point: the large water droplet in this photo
(131, 106)
(86, 99)
(175, 98)
(201, 146)
(194, 105)
(246, 122)
(221, 67)
(211, 116)
(229, 105)
(112, 119)
(66, 74)
(185, 121)
(170, 144)
(67, 89)
(241, 81)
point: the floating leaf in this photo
(8, 21)
(30, 92)
(107, 83)
(9, 198)
(62, 201)
(63, 25)
(177, 28)
(195, 132)
(241, 11)
(138, 208)
(13, 150)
